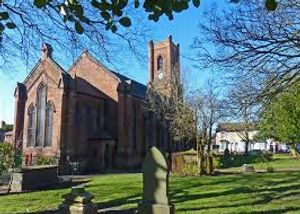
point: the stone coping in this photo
(37, 167)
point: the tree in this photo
(280, 118)
(104, 27)
(241, 107)
(248, 42)
(191, 117)
(71, 25)
(6, 157)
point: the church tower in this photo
(164, 67)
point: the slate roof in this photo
(234, 127)
(139, 89)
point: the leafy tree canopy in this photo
(108, 12)
(281, 117)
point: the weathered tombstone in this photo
(43, 177)
(246, 168)
(79, 201)
(155, 185)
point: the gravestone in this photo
(34, 178)
(246, 168)
(155, 185)
(79, 201)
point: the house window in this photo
(41, 114)
(222, 135)
(49, 124)
(31, 126)
(160, 63)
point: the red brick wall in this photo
(49, 74)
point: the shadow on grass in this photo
(133, 199)
(276, 191)
(61, 185)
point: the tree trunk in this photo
(246, 146)
(294, 151)
(210, 164)
(201, 157)
(209, 139)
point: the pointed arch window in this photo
(31, 125)
(49, 123)
(160, 63)
(41, 114)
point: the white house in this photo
(232, 135)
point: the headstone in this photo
(43, 176)
(246, 168)
(155, 185)
(79, 201)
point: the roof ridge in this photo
(39, 62)
(87, 53)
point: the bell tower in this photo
(164, 67)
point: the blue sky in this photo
(183, 29)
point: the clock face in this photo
(160, 75)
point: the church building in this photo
(90, 117)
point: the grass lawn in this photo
(280, 162)
(277, 192)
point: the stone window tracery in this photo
(31, 125)
(41, 114)
(49, 123)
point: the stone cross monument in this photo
(155, 185)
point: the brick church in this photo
(89, 115)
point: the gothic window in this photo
(160, 63)
(31, 126)
(41, 114)
(49, 124)
(77, 116)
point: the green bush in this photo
(189, 169)
(235, 160)
(17, 159)
(6, 157)
(44, 160)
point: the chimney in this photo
(46, 51)
(170, 38)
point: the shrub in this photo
(44, 160)
(17, 159)
(6, 157)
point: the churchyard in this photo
(213, 127)
(231, 192)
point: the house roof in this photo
(235, 127)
